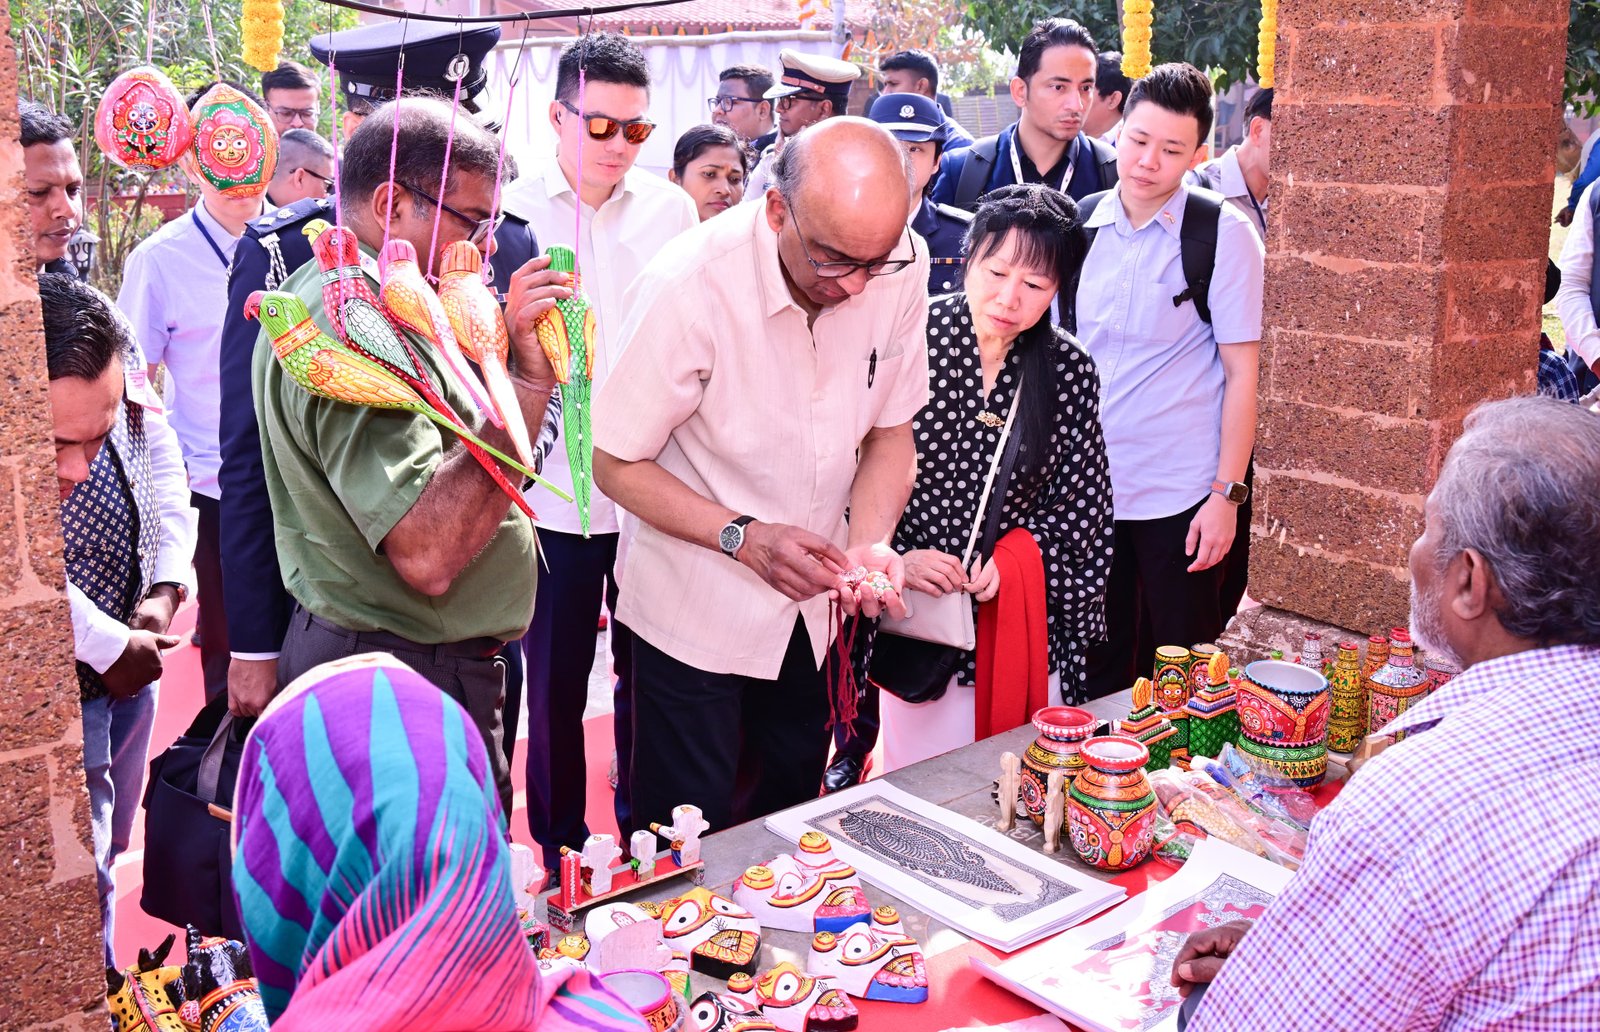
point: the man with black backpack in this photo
(1055, 88)
(1169, 305)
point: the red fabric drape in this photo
(1013, 651)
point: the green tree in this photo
(1583, 56)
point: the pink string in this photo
(211, 37)
(583, 130)
(505, 131)
(394, 142)
(333, 104)
(150, 33)
(444, 178)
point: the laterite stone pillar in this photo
(49, 910)
(1413, 150)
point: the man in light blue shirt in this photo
(1178, 392)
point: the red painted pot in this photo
(1111, 808)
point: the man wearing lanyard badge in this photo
(175, 292)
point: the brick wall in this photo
(49, 911)
(1413, 156)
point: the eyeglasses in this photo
(839, 270)
(603, 127)
(289, 114)
(482, 229)
(327, 181)
(725, 104)
(785, 103)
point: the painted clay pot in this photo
(649, 993)
(1397, 686)
(1305, 765)
(141, 123)
(1061, 730)
(1111, 808)
(1200, 667)
(1283, 704)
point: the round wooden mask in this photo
(141, 123)
(235, 143)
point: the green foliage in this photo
(1583, 57)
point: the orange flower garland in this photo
(261, 32)
(1267, 42)
(1137, 16)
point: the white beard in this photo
(1427, 627)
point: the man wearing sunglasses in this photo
(305, 169)
(273, 246)
(587, 196)
(774, 360)
(813, 88)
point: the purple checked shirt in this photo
(1455, 882)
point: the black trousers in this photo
(559, 652)
(471, 673)
(737, 747)
(213, 618)
(1152, 600)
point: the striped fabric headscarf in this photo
(372, 872)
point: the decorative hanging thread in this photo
(1137, 17)
(394, 140)
(444, 177)
(261, 32)
(211, 41)
(1267, 44)
(505, 132)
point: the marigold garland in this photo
(1267, 42)
(1137, 16)
(261, 31)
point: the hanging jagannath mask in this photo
(141, 123)
(235, 143)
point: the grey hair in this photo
(791, 166)
(1522, 487)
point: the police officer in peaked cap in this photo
(919, 124)
(367, 60)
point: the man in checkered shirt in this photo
(1455, 882)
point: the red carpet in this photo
(183, 693)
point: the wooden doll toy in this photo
(220, 987)
(809, 891)
(594, 875)
(688, 824)
(146, 997)
(873, 960)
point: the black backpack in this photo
(1197, 240)
(970, 187)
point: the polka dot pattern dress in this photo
(1062, 498)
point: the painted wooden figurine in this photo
(327, 369)
(218, 983)
(872, 960)
(1055, 810)
(1006, 792)
(141, 122)
(599, 853)
(406, 296)
(810, 890)
(146, 997)
(567, 334)
(797, 1001)
(607, 879)
(235, 142)
(642, 847)
(688, 824)
(480, 330)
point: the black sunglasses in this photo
(604, 127)
(482, 229)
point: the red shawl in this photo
(1013, 650)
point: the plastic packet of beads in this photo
(1265, 793)
(1194, 798)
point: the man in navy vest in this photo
(1055, 88)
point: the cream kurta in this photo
(722, 383)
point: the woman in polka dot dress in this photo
(1023, 247)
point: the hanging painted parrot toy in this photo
(566, 333)
(328, 369)
(406, 296)
(480, 330)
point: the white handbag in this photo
(947, 619)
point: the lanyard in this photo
(1259, 213)
(194, 214)
(1066, 177)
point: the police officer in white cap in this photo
(812, 88)
(920, 126)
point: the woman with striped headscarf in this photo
(372, 869)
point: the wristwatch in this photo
(732, 537)
(1232, 491)
(181, 589)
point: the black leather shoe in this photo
(844, 771)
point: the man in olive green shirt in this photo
(389, 535)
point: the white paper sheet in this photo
(971, 877)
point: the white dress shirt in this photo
(1226, 177)
(98, 639)
(1161, 378)
(1577, 269)
(175, 292)
(617, 241)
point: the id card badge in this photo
(136, 382)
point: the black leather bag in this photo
(188, 858)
